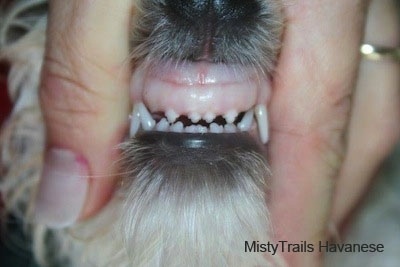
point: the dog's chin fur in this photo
(195, 205)
(176, 206)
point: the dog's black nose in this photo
(210, 24)
(243, 32)
(211, 12)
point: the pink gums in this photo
(199, 87)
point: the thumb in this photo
(84, 97)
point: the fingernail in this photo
(62, 190)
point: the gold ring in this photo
(372, 52)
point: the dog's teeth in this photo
(194, 117)
(215, 128)
(147, 121)
(202, 129)
(135, 121)
(162, 125)
(191, 129)
(196, 129)
(246, 122)
(177, 127)
(230, 128)
(230, 117)
(171, 115)
(209, 117)
(262, 121)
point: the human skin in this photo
(374, 124)
(310, 109)
(85, 84)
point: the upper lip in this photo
(199, 87)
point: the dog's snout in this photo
(212, 12)
(210, 22)
(218, 31)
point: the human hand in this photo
(84, 96)
(374, 124)
(312, 104)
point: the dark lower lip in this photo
(214, 141)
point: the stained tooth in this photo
(162, 125)
(191, 129)
(262, 121)
(177, 127)
(135, 121)
(171, 115)
(194, 117)
(230, 128)
(230, 117)
(147, 121)
(246, 122)
(215, 128)
(209, 117)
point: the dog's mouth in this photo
(199, 97)
(203, 66)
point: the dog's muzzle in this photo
(195, 170)
(202, 66)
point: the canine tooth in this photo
(246, 122)
(177, 127)
(194, 117)
(162, 125)
(147, 121)
(230, 116)
(215, 128)
(135, 121)
(230, 128)
(262, 121)
(171, 115)
(209, 117)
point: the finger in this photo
(309, 112)
(84, 96)
(374, 125)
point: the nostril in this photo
(217, 10)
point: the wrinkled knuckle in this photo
(64, 95)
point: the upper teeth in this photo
(147, 121)
(209, 117)
(230, 117)
(262, 119)
(141, 117)
(247, 121)
(171, 115)
(194, 117)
